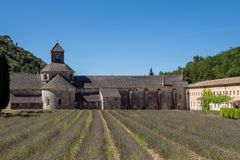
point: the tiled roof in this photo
(57, 67)
(24, 81)
(126, 81)
(217, 82)
(57, 48)
(110, 93)
(58, 83)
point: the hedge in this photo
(233, 113)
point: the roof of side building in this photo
(217, 82)
(110, 93)
(92, 98)
(24, 81)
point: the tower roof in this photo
(57, 48)
(57, 67)
(58, 83)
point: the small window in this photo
(238, 92)
(47, 102)
(140, 97)
(71, 76)
(45, 76)
(233, 92)
(59, 102)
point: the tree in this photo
(223, 65)
(208, 97)
(4, 82)
(151, 73)
(197, 58)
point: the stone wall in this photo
(111, 103)
(26, 92)
(153, 98)
(26, 106)
(58, 99)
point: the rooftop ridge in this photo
(57, 48)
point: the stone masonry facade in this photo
(56, 87)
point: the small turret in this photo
(57, 54)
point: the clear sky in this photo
(123, 37)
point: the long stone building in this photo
(227, 86)
(57, 87)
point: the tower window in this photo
(57, 57)
(59, 101)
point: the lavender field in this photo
(118, 134)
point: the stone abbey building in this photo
(57, 87)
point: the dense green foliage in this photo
(178, 71)
(20, 60)
(233, 113)
(4, 82)
(223, 65)
(208, 97)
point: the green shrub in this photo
(233, 113)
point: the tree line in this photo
(20, 60)
(223, 65)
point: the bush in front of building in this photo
(208, 97)
(233, 113)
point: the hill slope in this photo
(223, 65)
(20, 60)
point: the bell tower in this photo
(57, 54)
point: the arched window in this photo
(59, 101)
(174, 98)
(47, 102)
(45, 77)
(57, 57)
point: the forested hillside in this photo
(20, 60)
(224, 64)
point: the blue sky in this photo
(123, 37)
